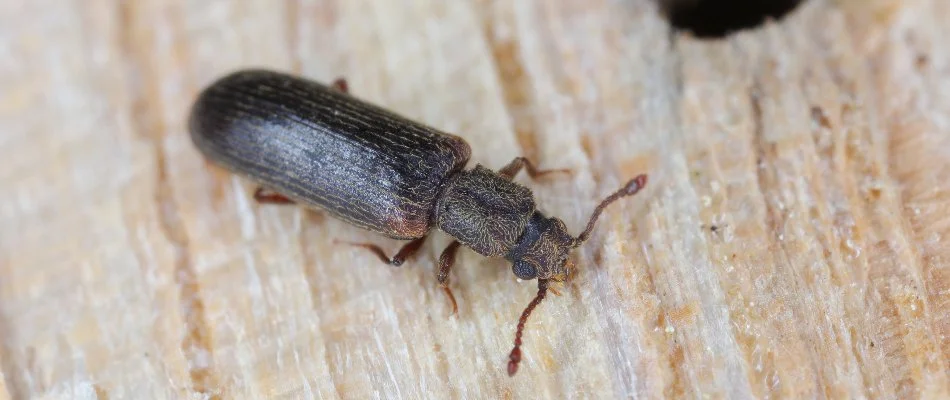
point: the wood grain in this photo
(792, 241)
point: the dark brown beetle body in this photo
(318, 146)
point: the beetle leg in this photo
(515, 166)
(340, 84)
(266, 196)
(404, 252)
(446, 260)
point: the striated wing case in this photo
(328, 150)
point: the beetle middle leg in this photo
(266, 196)
(519, 163)
(446, 260)
(404, 252)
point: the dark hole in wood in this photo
(719, 18)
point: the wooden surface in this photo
(792, 242)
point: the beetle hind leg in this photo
(267, 196)
(406, 251)
(519, 163)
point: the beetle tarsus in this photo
(455, 305)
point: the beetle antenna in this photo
(630, 189)
(515, 357)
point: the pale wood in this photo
(817, 146)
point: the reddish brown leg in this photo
(446, 260)
(404, 253)
(340, 84)
(515, 357)
(515, 166)
(266, 196)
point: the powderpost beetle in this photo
(315, 145)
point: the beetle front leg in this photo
(266, 196)
(515, 166)
(446, 260)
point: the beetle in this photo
(312, 144)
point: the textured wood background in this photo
(792, 242)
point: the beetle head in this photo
(544, 248)
(543, 251)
